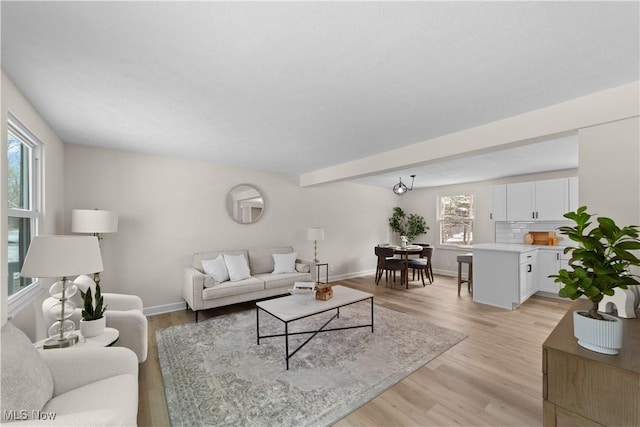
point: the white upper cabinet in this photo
(539, 200)
(520, 201)
(498, 203)
(573, 194)
(552, 199)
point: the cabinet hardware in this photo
(528, 268)
(491, 216)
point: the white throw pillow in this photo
(237, 266)
(284, 263)
(302, 268)
(217, 269)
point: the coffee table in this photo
(291, 308)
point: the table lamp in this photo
(315, 234)
(62, 256)
(96, 222)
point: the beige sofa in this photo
(201, 293)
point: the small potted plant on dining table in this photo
(93, 319)
(600, 263)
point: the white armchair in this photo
(84, 386)
(124, 313)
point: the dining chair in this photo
(386, 263)
(423, 264)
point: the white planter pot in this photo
(92, 328)
(602, 336)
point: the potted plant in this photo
(411, 225)
(599, 264)
(93, 320)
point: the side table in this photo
(106, 339)
(326, 272)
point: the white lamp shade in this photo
(62, 256)
(93, 221)
(315, 233)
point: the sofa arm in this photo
(122, 302)
(133, 328)
(312, 267)
(192, 287)
(75, 367)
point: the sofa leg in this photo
(196, 316)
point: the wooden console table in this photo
(584, 388)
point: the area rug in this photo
(214, 374)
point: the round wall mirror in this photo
(245, 204)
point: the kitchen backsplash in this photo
(514, 232)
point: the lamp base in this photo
(56, 342)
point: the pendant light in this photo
(401, 189)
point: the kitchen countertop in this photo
(514, 247)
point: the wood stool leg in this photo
(459, 276)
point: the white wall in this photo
(609, 160)
(170, 208)
(30, 319)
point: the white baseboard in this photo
(177, 306)
(166, 308)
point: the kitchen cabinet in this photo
(573, 194)
(527, 277)
(548, 262)
(496, 278)
(546, 200)
(498, 203)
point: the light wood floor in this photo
(492, 378)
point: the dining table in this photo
(404, 255)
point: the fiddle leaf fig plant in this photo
(601, 260)
(91, 312)
(411, 225)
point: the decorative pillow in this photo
(27, 383)
(216, 268)
(284, 263)
(302, 268)
(237, 266)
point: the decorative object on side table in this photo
(93, 320)
(410, 226)
(599, 264)
(324, 292)
(96, 222)
(315, 234)
(62, 256)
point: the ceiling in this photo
(295, 87)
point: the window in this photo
(23, 204)
(455, 214)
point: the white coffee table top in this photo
(293, 307)
(105, 339)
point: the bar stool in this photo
(466, 259)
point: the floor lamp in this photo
(96, 222)
(62, 257)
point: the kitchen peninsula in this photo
(507, 274)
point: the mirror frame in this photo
(234, 208)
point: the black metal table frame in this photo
(287, 334)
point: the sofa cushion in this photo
(302, 268)
(237, 266)
(199, 257)
(284, 263)
(272, 281)
(215, 269)
(27, 383)
(111, 401)
(227, 289)
(261, 260)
